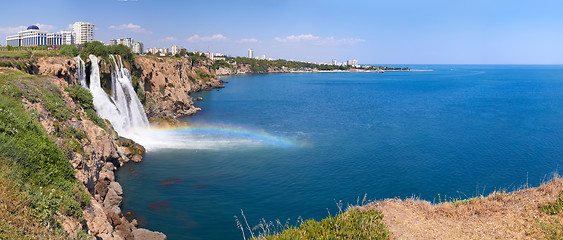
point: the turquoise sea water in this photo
(285, 146)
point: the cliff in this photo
(91, 146)
(166, 83)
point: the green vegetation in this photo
(352, 224)
(132, 146)
(17, 220)
(197, 58)
(85, 99)
(555, 207)
(69, 50)
(99, 49)
(26, 52)
(221, 63)
(38, 167)
(552, 228)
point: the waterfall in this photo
(81, 71)
(122, 108)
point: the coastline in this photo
(327, 71)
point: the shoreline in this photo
(327, 71)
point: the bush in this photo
(85, 99)
(352, 224)
(68, 50)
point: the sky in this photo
(373, 32)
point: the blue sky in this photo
(374, 32)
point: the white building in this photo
(174, 49)
(84, 32)
(138, 47)
(250, 53)
(209, 55)
(54, 39)
(32, 36)
(352, 62)
(126, 41)
(69, 38)
(113, 42)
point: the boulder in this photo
(112, 199)
(137, 158)
(141, 233)
(116, 187)
(101, 188)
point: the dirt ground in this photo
(515, 215)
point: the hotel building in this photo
(138, 47)
(32, 36)
(84, 32)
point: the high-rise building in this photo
(209, 55)
(250, 53)
(174, 49)
(126, 41)
(352, 62)
(138, 47)
(263, 57)
(113, 42)
(84, 32)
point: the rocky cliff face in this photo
(166, 84)
(163, 84)
(94, 157)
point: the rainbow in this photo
(227, 131)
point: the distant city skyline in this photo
(377, 32)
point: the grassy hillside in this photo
(38, 181)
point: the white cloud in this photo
(11, 30)
(130, 28)
(298, 38)
(14, 30)
(310, 38)
(214, 38)
(167, 39)
(248, 40)
(45, 27)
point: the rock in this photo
(97, 221)
(101, 188)
(116, 187)
(141, 233)
(124, 153)
(137, 158)
(135, 223)
(106, 174)
(199, 99)
(124, 230)
(112, 199)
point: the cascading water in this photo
(123, 109)
(81, 71)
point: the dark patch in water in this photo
(199, 185)
(170, 181)
(159, 205)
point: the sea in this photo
(281, 148)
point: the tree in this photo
(183, 52)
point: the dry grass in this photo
(17, 219)
(500, 215)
